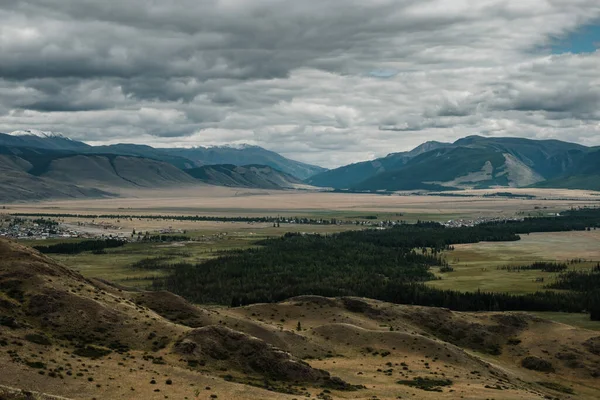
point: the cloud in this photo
(328, 82)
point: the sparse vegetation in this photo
(427, 384)
(557, 387)
(537, 364)
(92, 351)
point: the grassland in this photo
(476, 265)
(244, 202)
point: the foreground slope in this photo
(62, 334)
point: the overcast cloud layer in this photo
(323, 81)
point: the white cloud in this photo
(328, 82)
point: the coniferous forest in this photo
(80, 247)
(386, 264)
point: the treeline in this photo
(297, 264)
(155, 263)
(572, 220)
(581, 281)
(389, 265)
(540, 266)
(431, 235)
(264, 219)
(45, 222)
(165, 238)
(80, 247)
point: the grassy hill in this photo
(62, 334)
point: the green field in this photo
(476, 265)
(116, 265)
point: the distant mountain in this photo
(33, 173)
(250, 176)
(182, 158)
(585, 174)
(350, 175)
(41, 139)
(145, 151)
(471, 162)
(246, 155)
(30, 173)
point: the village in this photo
(42, 229)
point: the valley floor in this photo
(222, 201)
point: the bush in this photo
(38, 339)
(427, 384)
(537, 364)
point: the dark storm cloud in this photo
(325, 81)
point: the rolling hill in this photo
(250, 176)
(471, 162)
(65, 335)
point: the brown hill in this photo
(33, 174)
(65, 335)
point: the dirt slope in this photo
(64, 335)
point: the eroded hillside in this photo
(65, 335)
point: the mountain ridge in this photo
(182, 158)
(470, 162)
(249, 176)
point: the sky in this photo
(327, 82)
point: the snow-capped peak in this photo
(236, 146)
(38, 133)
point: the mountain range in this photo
(182, 158)
(473, 162)
(38, 165)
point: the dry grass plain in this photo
(221, 201)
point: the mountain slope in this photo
(585, 174)
(145, 151)
(250, 176)
(33, 174)
(350, 175)
(40, 139)
(114, 171)
(246, 155)
(471, 162)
